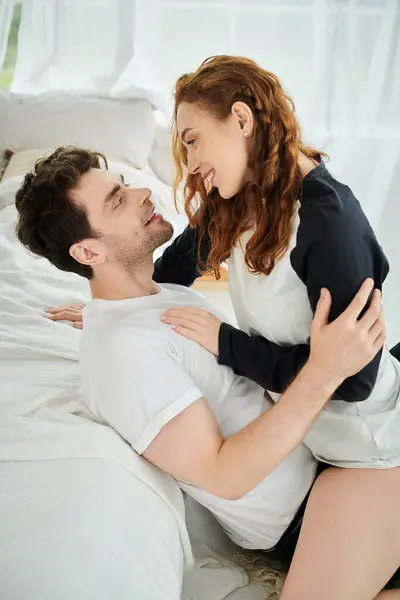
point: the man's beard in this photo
(133, 258)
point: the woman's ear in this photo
(244, 117)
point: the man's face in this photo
(129, 228)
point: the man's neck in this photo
(115, 283)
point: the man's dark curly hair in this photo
(49, 221)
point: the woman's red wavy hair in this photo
(267, 203)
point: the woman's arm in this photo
(337, 248)
(179, 261)
(272, 366)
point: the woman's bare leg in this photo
(349, 544)
(389, 595)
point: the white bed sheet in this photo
(81, 515)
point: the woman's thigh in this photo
(349, 544)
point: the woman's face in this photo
(218, 150)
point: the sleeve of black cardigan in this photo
(179, 261)
(337, 249)
(272, 366)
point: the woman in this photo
(270, 207)
(258, 197)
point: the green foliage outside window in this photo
(6, 73)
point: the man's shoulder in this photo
(134, 341)
(120, 336)
(181, 290)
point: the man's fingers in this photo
(376, 330)
(359, 301)
(380, 341)
(78, 325)
(322, 310)
(373, 312)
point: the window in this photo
(6, 73)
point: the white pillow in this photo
(161, 159)
(24, 161)
(8, 189)
(123, 128)
(161, 162)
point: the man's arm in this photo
(191, 448)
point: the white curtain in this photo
(6, 12)
(85, 46)
(339, 59)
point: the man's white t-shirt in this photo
(138, 374)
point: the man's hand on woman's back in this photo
(347, 344)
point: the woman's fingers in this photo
(188, 333)
(182, 322)
(66, 315)
(71, 307)
(73, 313)
(186, 315)
(197, 324)
(190, 315)
(187, 309)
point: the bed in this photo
(81, 515)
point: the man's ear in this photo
(88, 252)
(244, 116)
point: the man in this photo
(216, 433)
